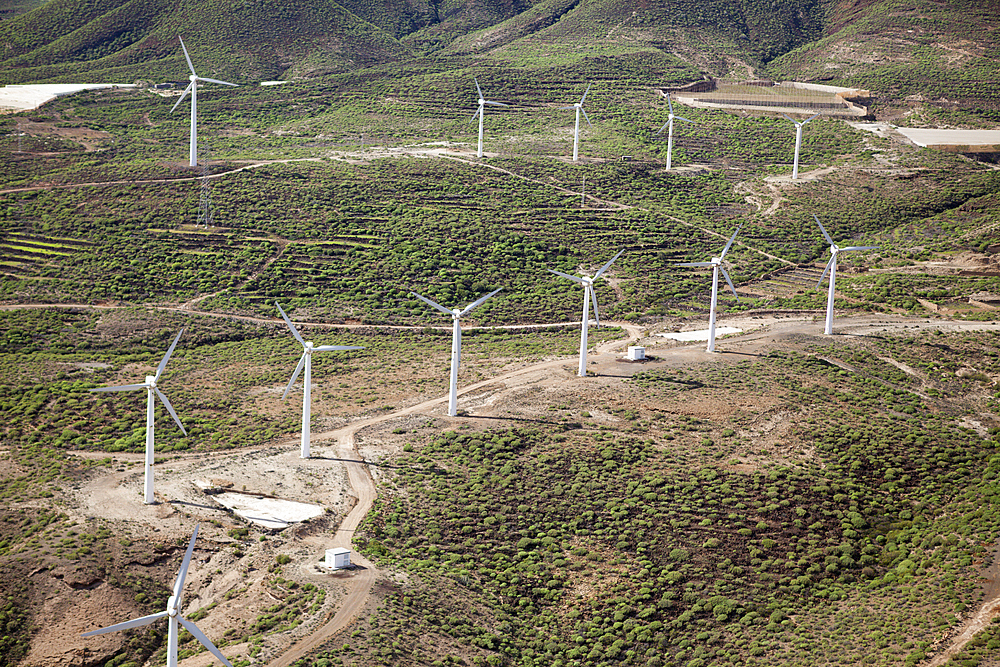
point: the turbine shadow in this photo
(204, 507)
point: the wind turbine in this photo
(150, 386)
(589, 296)
(173, 615)
(798, 142)
(576, 133)
(716, 265)
(669, 127)
(456, 342)
(193, 89)
(306, 360)
(831, 268)
(479, 112)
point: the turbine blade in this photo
(825, 235)
(432, 304)
(134, 623)
(729, 280)
(593, 300)
(205, 641)
(572, 106)
(670, 105)
(179, 582)
(586, 117)
(790, 118)
(123, 387)
(170, 409)
(582, 99)
(478, 111)
(809, 119)
(730, 244)
(295, 375)
(181, 99)
(478, 302)
(825, 271)
(496, 104)
(224, 83)
(696, 264)
(478, 89)
(166, 357)
(566, 275)
(665, 126)
(336, 348)
(686, 120)
(186, 56)
(859, 247)
(290, 326)
(608, 264)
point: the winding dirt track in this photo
(364, 488)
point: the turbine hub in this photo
(151, 381)
(172, 606)
(834, 249)
(309, 347)
(193, 78)
(481, 101)
(716, 260)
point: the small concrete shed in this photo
(636, 353)
(338, 558)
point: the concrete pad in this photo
(934, 138)
(701, 334)
(270, 513)
(26, 97)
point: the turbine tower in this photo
(456, 342)
(669, 127)
(831, 268)
(173, 615)
(306, 360)
(479, 112)
(717, 267)
(576, 132)
(798, 142)
(589, 296)
(193, 89)
(150, 386)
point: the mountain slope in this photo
(933, 48)
(138, 38)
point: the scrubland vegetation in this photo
(818, 502)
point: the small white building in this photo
(636, 353)
(338, 558)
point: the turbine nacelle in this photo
(172, 609)
(151, 381)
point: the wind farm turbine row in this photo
(480, 113)
(589, 299)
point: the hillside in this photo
(112, 39)
(945, 53)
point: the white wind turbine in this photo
(173, 615)
(576, 132)
(150, 386)
(193, 89)
(717, 267)
(589, 296)
(306, 360)
(831, 268)
(669, 127)
(479, 112)
(798, 142)
(456, 342)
